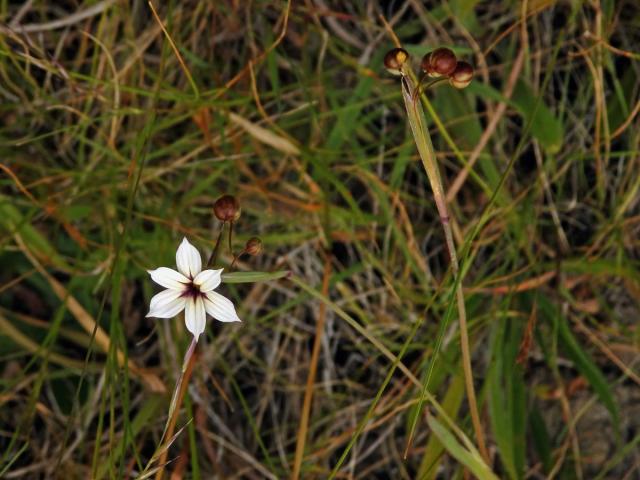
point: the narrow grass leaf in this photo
(583, 361)
(253, 277)
(506, 396)
(587, 367)
(472, 461)
(434, 449)
(540, 437)
(264, 135)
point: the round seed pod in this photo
(462, 75)
(227, 208)
(425, 64)
(395, 59)
(442, 61)
(253, 246)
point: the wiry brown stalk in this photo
(311, 377)
(176, 402)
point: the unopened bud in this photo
(395, 59)
(253, 246)
(462, 75)
(442, 61)
(227, 208)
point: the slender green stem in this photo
(420, 89)
(421, 136)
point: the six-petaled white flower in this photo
(190, 289)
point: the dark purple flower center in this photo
(191, 290)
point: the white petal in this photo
(220, 307)
(169, 278)
(207, 280)
(195, 316)
(188, 259)
(166, 304)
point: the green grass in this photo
(114, 146)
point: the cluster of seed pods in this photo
(442, 62)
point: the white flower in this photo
(190, 289)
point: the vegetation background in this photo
(116, 137)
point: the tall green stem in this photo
(421, 136)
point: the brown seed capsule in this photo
(425, 64)
(441, 61)
(227, 208)
(395, 59)
(253, 246)
(462, 75)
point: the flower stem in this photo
(230, 238)
(214, 253)
(421, 89)
(421, 136)
(176, 402)
(236, 258)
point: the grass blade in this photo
(472, 460)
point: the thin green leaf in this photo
(582, 360)
(587, 367)
(472, 461)
(252, 277)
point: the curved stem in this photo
(236, 258)
(420, 89)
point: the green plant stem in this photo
(427, 154)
